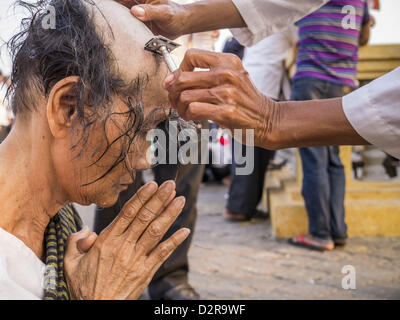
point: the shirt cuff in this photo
(371, 111)
(255, 21)
(266, 17)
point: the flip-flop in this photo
(183, 291)
(312, 243)
(341, 242)
(232, 217)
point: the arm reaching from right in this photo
(250, 20)
(226, 95)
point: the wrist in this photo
(270, 136)
(186, 17)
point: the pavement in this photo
(244, 261)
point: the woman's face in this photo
(106, 145)
(110, 142)
(78, 167)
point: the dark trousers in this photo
(245, 191)
(174, 271)
(323, 172)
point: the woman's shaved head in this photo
(118, 93)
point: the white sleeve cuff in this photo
(266, 17)
(256, 29)
(374, 112)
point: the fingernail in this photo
(168, 80)
(186, 231)
(138, 11)
(151, 187)
(172, 196)
(169, 186)
(180, 202)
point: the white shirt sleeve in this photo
(266, 17)
(265, 61)
(374, 112)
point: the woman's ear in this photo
(61, 106)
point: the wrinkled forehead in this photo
(126, 37)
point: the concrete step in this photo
(353, 193)
(377, 190)
(372, 207)
(364, 217)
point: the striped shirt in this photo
(328, 42)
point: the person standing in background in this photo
(326, 67)
(233, 46)
(265, 63)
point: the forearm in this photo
(312, 123)
(227, 96)
(211, 15)
(364, 35)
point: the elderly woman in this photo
(84, 94)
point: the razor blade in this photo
(163, 47)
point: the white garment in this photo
(203, 40)
(4, 121)
(265, 62)
(374, 112)
(266, 17)
(21, 271)
(4, 113)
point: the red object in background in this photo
(373, 4)
(223, 141)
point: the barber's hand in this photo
(163, 17)
(125, 256)
(224, 94)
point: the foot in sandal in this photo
(311, 242)
(234, 217)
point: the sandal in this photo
(234, 217)
(340, 242)
(183, 291)
(311, 242)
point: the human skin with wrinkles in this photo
(224, 94)
(40, 172)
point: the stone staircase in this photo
(373, 203)
(372, 207)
